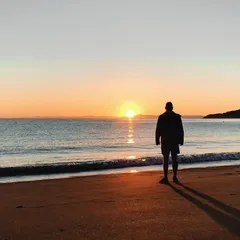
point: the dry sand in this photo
(124, 206)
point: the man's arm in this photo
(181, 131)
(158, 132)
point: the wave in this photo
(73, 167)
(60, 149)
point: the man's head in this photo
(169, 106)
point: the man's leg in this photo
(174, 165)
(165, 164)
(165, 168)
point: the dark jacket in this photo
(169, 128)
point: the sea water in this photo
(72, 145)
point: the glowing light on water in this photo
(133, 171)
(130, 141)
(130, 132)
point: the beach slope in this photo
(124, 206)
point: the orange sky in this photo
(60, 58)
(112, 91)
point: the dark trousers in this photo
(166, 150)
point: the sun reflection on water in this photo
(130, 141)
(130, 131)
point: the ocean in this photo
(50, 146)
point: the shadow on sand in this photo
(229, 219)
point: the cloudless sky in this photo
(77, 57)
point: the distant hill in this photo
(141, 116)
(230, 114)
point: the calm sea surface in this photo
(65, 141)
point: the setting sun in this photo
(130, 113)
(130, 110)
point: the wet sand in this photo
(124, 206)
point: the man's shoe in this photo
(164, 181)
(175, 180)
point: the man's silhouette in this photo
(170, 130)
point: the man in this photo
(170, 129)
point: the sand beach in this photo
(124, 206)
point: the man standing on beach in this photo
(170, 129)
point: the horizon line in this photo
(92, 116)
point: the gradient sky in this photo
(77, 57)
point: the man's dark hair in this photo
(169, 106)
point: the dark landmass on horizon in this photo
(230, 114)
(141, 116)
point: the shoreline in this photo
(118, 165)
(138, 169)
(125, 206)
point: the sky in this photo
(78, 58)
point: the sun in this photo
(130, 114)
(130, 110)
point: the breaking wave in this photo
(74, 167)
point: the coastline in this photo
(155, 167)
(56, 170)
(125, 206)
